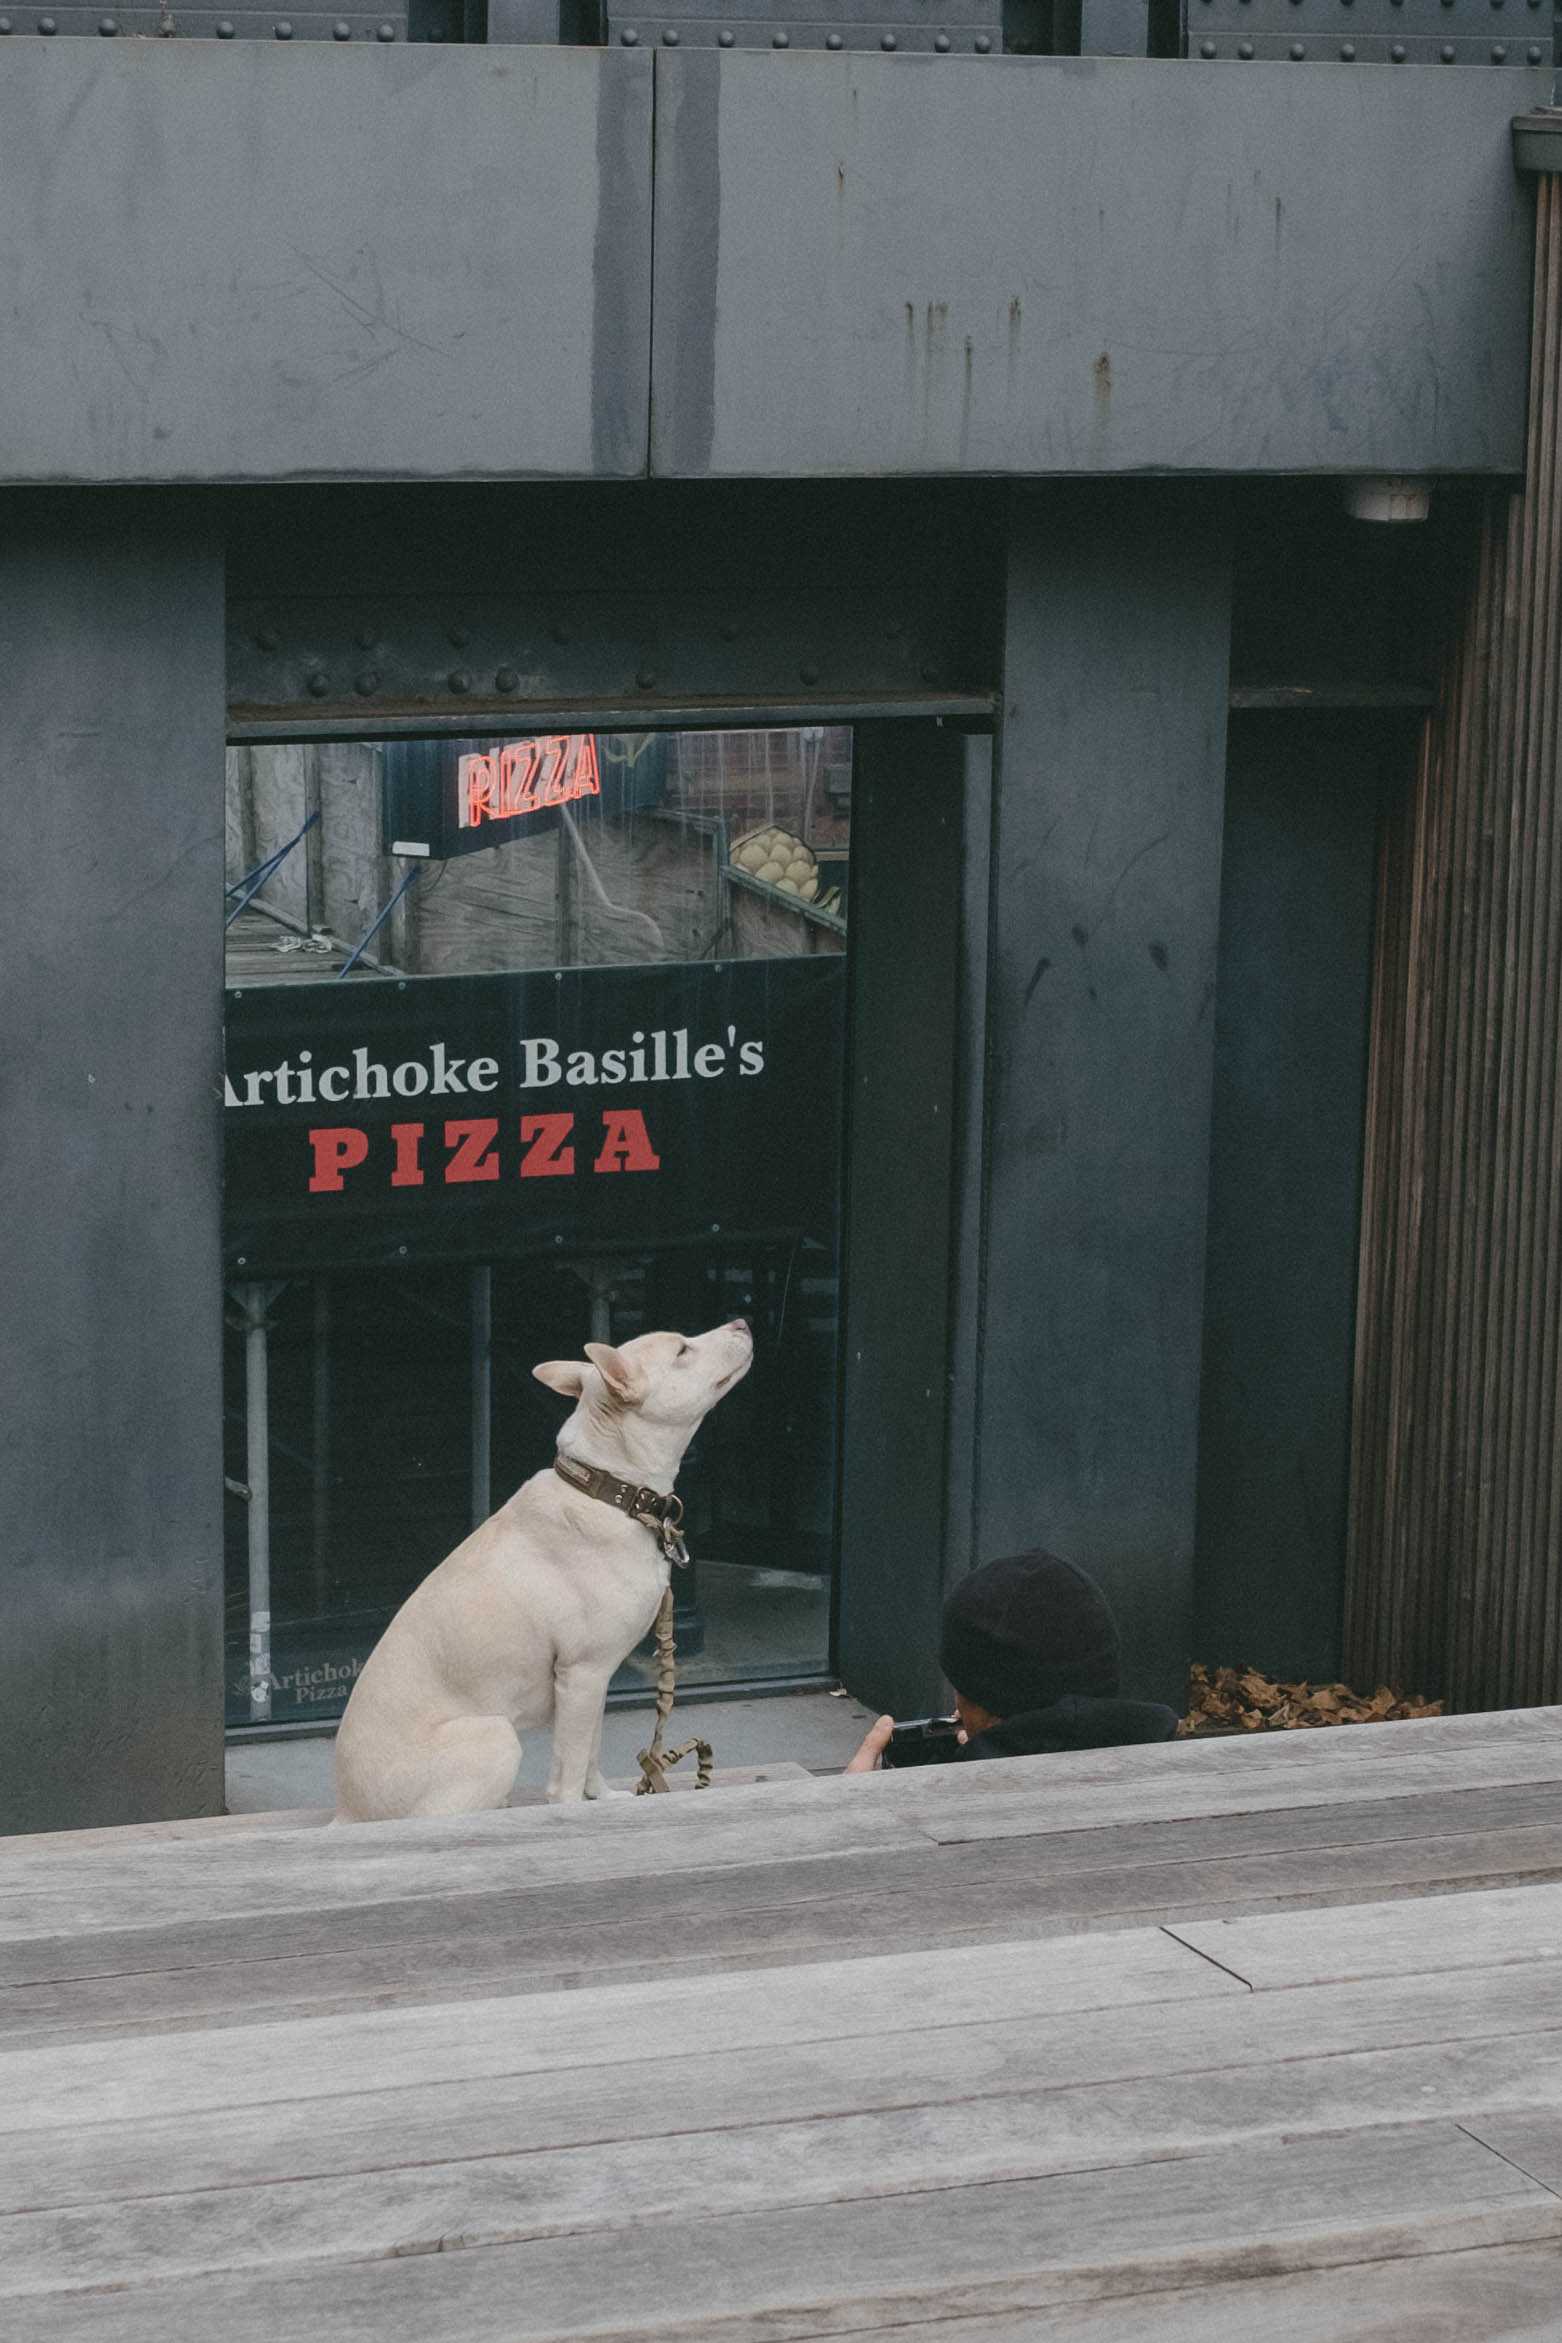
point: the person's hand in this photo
(867, 1758)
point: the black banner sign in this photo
(480, 1117)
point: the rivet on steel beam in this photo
(833, 41)
(1499, 53)
(781, 41)
(385, 32)
(341, 31)
(1348, 52)
(889, 42)
(725, 39)
(645, 680)
(5, 24)
(1534, 52)
(46, 24)
(108, 26)
(1298, 50)
(225, 30)
(284, 30)
(941, 43)
(368, 681)
(671, 36)
(1206, 48)
(459, 680)
(1398, 52)
(1448, 52)
(506, 680)
(318, 686)
(1244, 48)
(629, 37)
(983, 44)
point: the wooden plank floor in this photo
(1219, 2040)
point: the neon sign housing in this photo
(526, 777)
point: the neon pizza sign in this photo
(526, 777)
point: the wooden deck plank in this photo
(254, 1874)
(1481, 1930)
(691, 2070)
(1505, 1815)
(141, 2076)
(1245, 2060)
(1494, 2294)
(1240, 1790)
(936, 1898)
(1532, 2141)
(419, 2201)
(993, 2248)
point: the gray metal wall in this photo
(1086, 265)
(1105, 915)
(1304, 798)
(260, 261)
(111, 729)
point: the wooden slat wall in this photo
(1454, 1580)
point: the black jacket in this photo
(1077, 1722)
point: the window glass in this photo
(530, 1041)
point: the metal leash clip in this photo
(672, 1535)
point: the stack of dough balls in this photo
(781, 860)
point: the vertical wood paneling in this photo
(1453, 1581)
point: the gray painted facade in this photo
(261, 262)
(266, 263)
(647, 475)
(1085, 265)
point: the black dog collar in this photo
(649, 1507)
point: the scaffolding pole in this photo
(482, 1320)
(254, 1300)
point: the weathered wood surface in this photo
(1215, 2039)
(257, 1873)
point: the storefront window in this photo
(530, 1041)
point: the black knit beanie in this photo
(1025, 1632)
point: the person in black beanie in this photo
(1030, 1649)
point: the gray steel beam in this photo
(1105, 913)
(264, 262)
(1075, 266)
(111, 1474)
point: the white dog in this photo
(523, 1625)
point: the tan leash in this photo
(655, 1762)
(663, 1514)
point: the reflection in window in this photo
(610, 1102)
(689, 846)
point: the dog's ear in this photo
(624, 1380)
(567, 1376)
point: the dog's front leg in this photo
(579, 1696)
(595, 1786)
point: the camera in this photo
(923, 1741)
